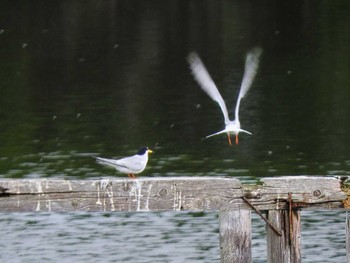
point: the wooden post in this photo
(285, 248)
(292, 192)
(235, 236)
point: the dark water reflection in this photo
(81, 77)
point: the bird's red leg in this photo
(229, 139)
(132, 176)
(236, 138)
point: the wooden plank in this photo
(307, 193)
(143, 194)
(287, 247)
(235, 236)
(161, 194)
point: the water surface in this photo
(150, 237)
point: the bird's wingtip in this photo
(254, 54)
(257, 50)
(248, 132)
(192, 57)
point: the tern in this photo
(204, 80)
(129, 165)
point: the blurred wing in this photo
(250, 70)
(204, 80)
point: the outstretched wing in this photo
(250, 70)
(204, 80)
(217, 133)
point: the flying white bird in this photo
(204, 80)
(129, 165)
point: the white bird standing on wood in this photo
(129, 165)
(204, 80)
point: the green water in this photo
(80, 78)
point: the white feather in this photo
(204, 80)
(250, 70)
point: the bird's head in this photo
(144, 150)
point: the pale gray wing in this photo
(204, 80)
(135, 163)
(250, 70)
(109, 162)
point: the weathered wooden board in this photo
(144, 194)
(161, 194)
(307, 192)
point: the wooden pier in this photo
(278, 200)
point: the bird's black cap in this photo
(142, 150)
